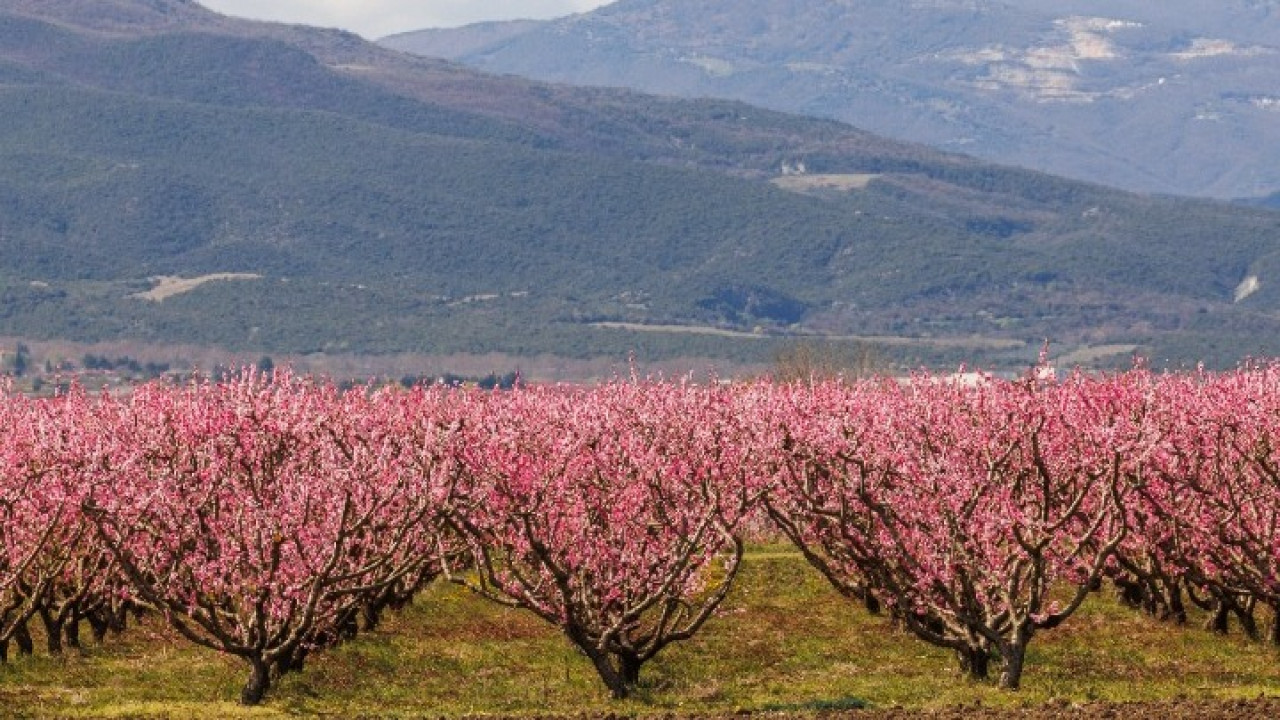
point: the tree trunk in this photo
(348, 628)
(4, 651)
(618, 688)
(975, 662)
(1273, 632)
(1177, 610)
(1128, 590)
(1249, 626)
(629, 669)
(602, 661)
(1217, 622)
(22, 637)
(1244, 613)
(372, 613)
(258, 683)
(1014, 654)
(293, 661)
(52, 630)
(99, 624)
(72, 633)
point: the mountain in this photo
(1177, 96)
(170, 175)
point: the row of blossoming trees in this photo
(269, 516)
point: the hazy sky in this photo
(376, 18)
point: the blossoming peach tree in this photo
(256, 514)
(962, 507)
(612, 513)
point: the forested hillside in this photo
(369, 201)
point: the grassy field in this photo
(784, 641)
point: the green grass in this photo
(784, 641)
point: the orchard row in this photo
(270, 516)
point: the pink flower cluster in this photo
(269, 516)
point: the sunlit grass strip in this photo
(783, 641)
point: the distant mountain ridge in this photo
(365, 200)
(1178, 96)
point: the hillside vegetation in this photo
(397, 204)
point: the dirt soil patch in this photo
(1187, 709)
(168, 286)
(809, 183)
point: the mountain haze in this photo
(323, 194)
(1176, 96)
